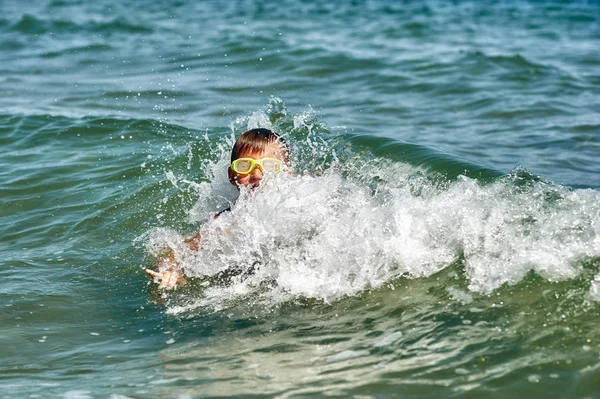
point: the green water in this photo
(440, 236)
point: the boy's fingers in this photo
(172, 280)
(151, 273)
(167, 284)
(166, 280)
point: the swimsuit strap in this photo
(223, 211)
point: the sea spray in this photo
(360, 223)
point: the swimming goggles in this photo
(243, 166)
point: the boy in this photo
(255, 152)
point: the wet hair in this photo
(257, 140)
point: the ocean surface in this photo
(439, 236)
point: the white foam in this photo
(360, 224)
(346, 355)
(78, 394)
(595, 288)
(460, 296)
(389, 340)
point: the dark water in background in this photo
(440, 238)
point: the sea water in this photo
(438, 235)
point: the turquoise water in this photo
(440, 235)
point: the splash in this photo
(357, 223)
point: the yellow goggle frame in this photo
(244, 166)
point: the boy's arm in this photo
(168, 274)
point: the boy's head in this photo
(255, 152)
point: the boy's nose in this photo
(256, 174)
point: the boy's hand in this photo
(169, 276)
(167, 279)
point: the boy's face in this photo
(252, 179)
